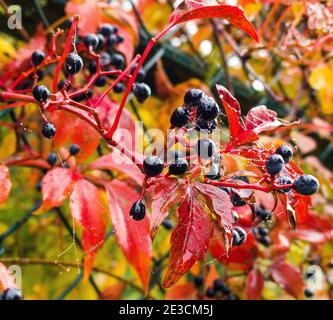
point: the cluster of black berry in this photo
(219, 290)
(198, 106)
(104, 43)
(52, 157)
(261, 234)
(304, 184)
(12, 294)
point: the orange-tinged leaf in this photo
(5, 184)
(57, 184)
(6, 279)
(89, 209)
(186, 291)
(86, 137)
(198, 9)
(254, 284)
(132, 236)
(189, 239)
(289, 278)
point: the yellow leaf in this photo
(7, 50)
(8, 144)
(321, 79)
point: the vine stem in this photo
(65, 52)
(142, 59)
(254, 186)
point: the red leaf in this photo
(132, 236)
(260, 119)
(232, 109)
(167, 192)
(57, 184)
(219, 203)
(111, 162)
(254, 284)
(89, 12)
(6, 279)
(71, 129)
(238, 258)
(289, 278)
(5, 184)
(185, 291)
(309, 235)
(190, 10)
(37, 41)
(89, 209)
(189, 239)
(86, 137)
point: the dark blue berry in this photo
(208, 109)
(138, 211)
(91, 41)
(210, 292)
(285, 152)
(48, 130)
(262, 231)
(203, 125)
(141, 91)
(205, 148)
(92, 67)
(112, 40)
(180, 117)
(153, 166)
(118, 61)
(308, 293)
(306, 185)
(283, 180)
(265, 240)
(119, 88)
(104, 59)
(52, 159)
(100, 81)
(37, 57)
(193, 97)
(101, 41)
(107, 29)
(218, 285)
(263, 214)
(74, 63)
(198, 282)
(178, 166)
(236, 200)
(120, 39)
(74, 149)
(238, 236)
(274, 164)
(167, 224)
(41, 93)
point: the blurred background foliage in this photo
(295, 67)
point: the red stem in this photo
(254, 186)
(144, 56)
(65, 53)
